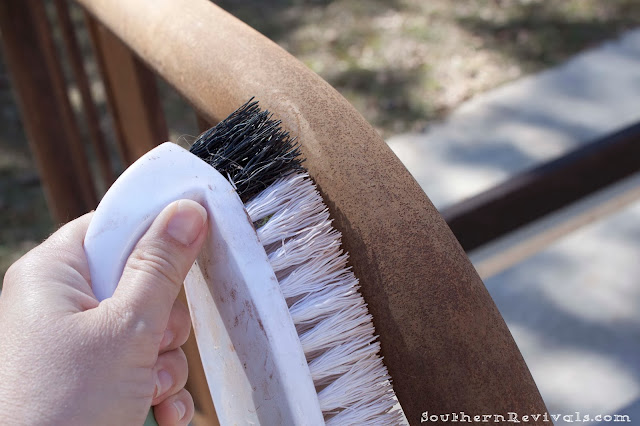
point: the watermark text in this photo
(512, 417)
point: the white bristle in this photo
(355, 385)
(314, 275)
(333, 323)
(291, 220)
(347, 324)
(321, 304)
(332, 363)
(367, 413)
(281, 192)
(309, 243)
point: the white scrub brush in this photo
(283, 333)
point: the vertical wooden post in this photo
(46, 112)
(88, 106)
(132, 94)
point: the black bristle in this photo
(250, 148)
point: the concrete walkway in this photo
(526, 122)
(573, 308)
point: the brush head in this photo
(250, 148)
(292, 222)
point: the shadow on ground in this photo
(531, 27)
(574, 316)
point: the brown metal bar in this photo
(89, 108)
(45, 108)
(544, 189)
(444, 341)
(500, 254)
(132, 95)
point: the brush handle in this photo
(250, 351)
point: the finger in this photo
(171, 372)
(177, 410)
(178, 328)
(159, 263)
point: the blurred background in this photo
(470, 95)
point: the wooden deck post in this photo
(45, 109)
(132, 94)
(89, 109)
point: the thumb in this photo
(159, 263)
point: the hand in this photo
(67, 359)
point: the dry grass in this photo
(23, 211)
(404, 63)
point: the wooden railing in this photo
(444, 342)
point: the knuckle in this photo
(20, 271)
(25, 263)
(12, 273)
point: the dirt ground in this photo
(402, 63)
